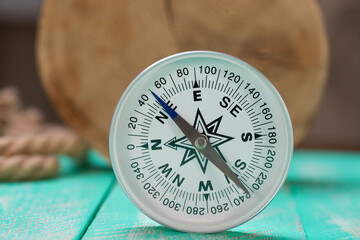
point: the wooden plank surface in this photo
(118, 218)
(326, 189)
(320, 200)
(60, 208)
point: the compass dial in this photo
(236, 111)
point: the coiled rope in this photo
(28, 146)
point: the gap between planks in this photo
(97, 209)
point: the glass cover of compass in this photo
(201, 141)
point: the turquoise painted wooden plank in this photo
(60, 208)
(118, 218)
(326, 189)
(320, 200)
(94, 160)
(325, 166)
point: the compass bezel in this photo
(157, 215)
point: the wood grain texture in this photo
(55, 209)
(88, 52)
(320, 200)
(118, 218)
(326, 190)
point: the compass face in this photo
(239, 113)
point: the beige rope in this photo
(59, 142)
(28, 167)
(25, 121)
(28, 146)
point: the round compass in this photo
(201, 141)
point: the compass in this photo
(201, 141)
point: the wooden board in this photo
(320, 200)
(124, 221)
(88, 52)
(61, 208)
(326, 189)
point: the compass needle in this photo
(200, 143)
(190, 109)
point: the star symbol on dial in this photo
(210, 130)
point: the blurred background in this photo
(334, 126)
